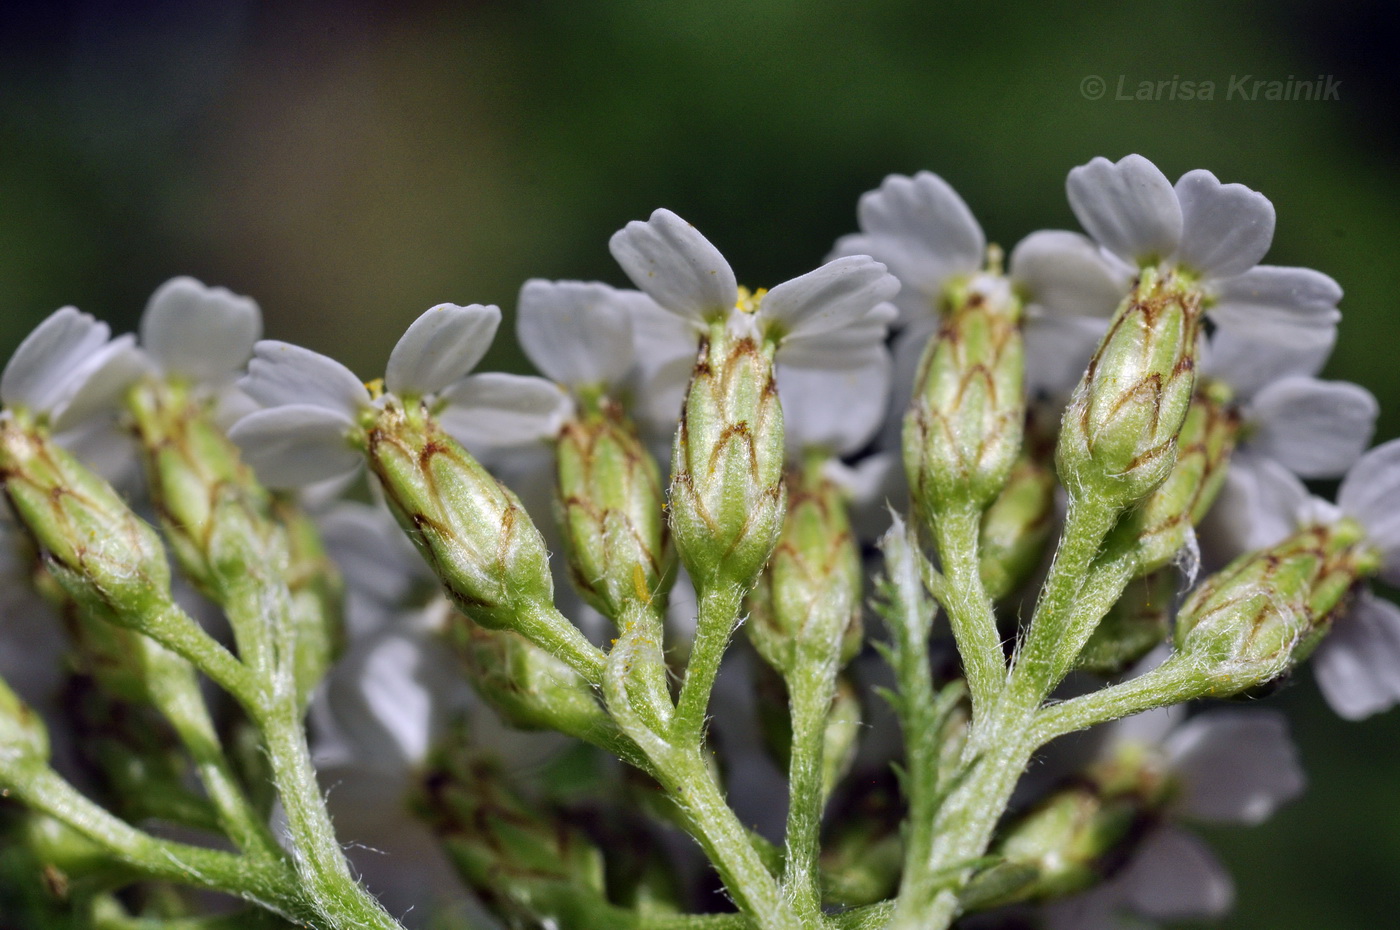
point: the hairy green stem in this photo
(719, 605)
(969, 609)
(810, 697)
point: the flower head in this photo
(313, 404)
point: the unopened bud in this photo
(611, 511)
(520, 857)
(1016, 527)
(727, 496)
(1163, 523)
(963, 429)
(527, 686)
(471, 529)
(1249, 623)
(105, 557)
(808, 599)
(1118, 435)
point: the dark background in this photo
(351, 164)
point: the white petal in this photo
(850, 346)
(1247, 364)
(1358, 664)
(1066, 274)
(829, 298)
(1235, 766)
(203, 333)
(670, 260)
(37, 374)
(100, 380)
(1175, 876)
(1058, 350)
(440, 347)
(921, 228)
(1316, 428)
(577, 333)
(1129, 207)
(1226, 228)
(497, 409)
(1371, 493)
(836, 411)
(295, 444)
(1258, 506)
(1099, 908)
(281, 373)
(661, 394)
(1279, 304)
(374, 556)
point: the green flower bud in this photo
(212, 509)
(23, 736)
(1134, 626)
(528, 687)
(1016, 527)
(520, 857)
(807, 601)
(1118, 438)
(727, 496)
(104, 556)
(1163, 523)
(1265, 611)
(611, 509)
(1078, 834)
(963, 429)
(472, 530)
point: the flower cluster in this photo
(454, 595)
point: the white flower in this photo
(925, 233)
(1291, 423)
(827, 316)
(380, 567)
(1216, 232)
(69, 369)
(1357, 665)
(1227, 766)
(312, 404)
(202, 334)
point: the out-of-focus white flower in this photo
(380, 566)
(313, 403)
(69, 368)
(1291, 423)
(1225, 766)
(203, 336)
(1215, 232)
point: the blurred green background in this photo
(350, 164)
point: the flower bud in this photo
(808, 599)
(23, 736)
(471, 529)
(1250, 622)
(104, 556)
(211, 507)
(610, 507)
(1118, 435)
(520, 857)
(1016, 527)
(963, 429)
(528, 687)
(1163, 523)
(727, 496)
